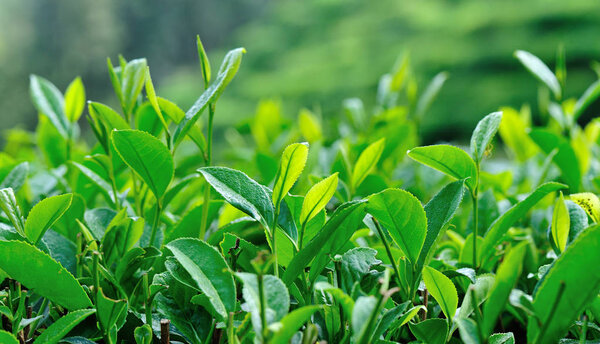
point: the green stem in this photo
(273, 245)
(263, 313)
(205, 204)
(301, 240)
(230, 329)
(389, 252)
(155, 223)
(147, 302)
(475, 198)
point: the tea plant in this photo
(144, 235)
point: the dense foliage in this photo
(302, 232)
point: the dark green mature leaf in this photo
(7, 338)
(439, 211)
(8, 203)
(291, 323)
(480, 288)
(574, 271)
(442, 289)
(587, 98)
(317, 197)
(208, 269)
(506, 278)
(450, 160)
(16, 177)
(565, 157)
(227, 71)
(503, 223)
(484, 133)
(48, 100)
(357, 263)
(403, 216)
(242, 192)
(430, 331)
(110, 311)
(40, 273)
(292, 163)
(147, 156)
(366, 162)
(539, 69)
(342, 222)
(275, 295)
(59, 329)
(44, 214)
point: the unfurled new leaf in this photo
(560, 223)
(484, 133)
(539, 69)
(291, 166)
(366, 161)
(74, 100)
(442, 289)
(49, 101)
(450, 160)
(44, 214)
(317, 197)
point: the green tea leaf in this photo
(506, 278)
(74, 100)
(580, 284)
(484, 133)
(102, 184)
(242, 192)
(403, 216)
(275, 295)
(356, 263)
(151, 94)
(143, 334)
(110, 311)
(502, 338)
(539, 69)
(450, 160)
(497, 230)
(147, 157)
(587, 98)
(41, 274)
(48, 100)
(442, 290)
(227, 71)
(16, 177)
(208, 269)
(468, 331)
(513, 131)
(132, 82)
(439, 211)
(317, 197)
(291, 323)
(560, 223)
(430, 331)
(366, 162)
(44, 214)
(7, 338)
(431, 91)
(59, 329)
(291, 166)
(565, 157)
(110, 118)
(8, 203)
(204, 62)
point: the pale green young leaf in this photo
(442, 289)
(317, 197)
(151, 94)
(210, 271)
(580, 283)
(431, 91)
(560, 223)
(74, 100)
(403, 216)
(310, 126)
(41, 274)
(506, 278)
(44, 214)
(60, 328)
(227, 71)
(497, 230)
(49, 101)
(204, 62)
(110, 118)
(565, 157)
(539, 69)
(132, 82)
(366, 162)
(147, 157)
(16, 177)
(484, 133)
(242, 192)
(115, 80)
(292, 163)
(276, 297)
(447, 159)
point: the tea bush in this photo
(298, 230)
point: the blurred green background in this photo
(310, 53)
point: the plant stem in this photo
(147, 302)
(205, 204)
(155, 224)
(273, 245)
(475, 198)
(389, 252)
(301, 240)
(263, 313)
(165, 331)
